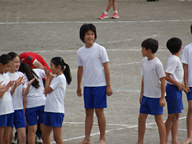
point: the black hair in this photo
(150, 44)
(12, 55)
(25, 68)
(85, 28)
(65, 67)
(191, 28)
(174, 45)
(5, 59)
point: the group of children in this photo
(154, 92)
(23, 98)
(23, 94)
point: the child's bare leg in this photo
(109, 5)
(161, 127)
(141, 127)
(1, 134)
(114, 5)
(6, 135)
(171, 124)
(88, 126)
(102, 124)
(189, 124)
(174, 129)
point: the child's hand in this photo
(11, 83)
(162, 102)
(3, 88)
(47, 73)
(109, 91)
(79, 92)
(187, 90)
(19, 81)
(180, 87)
(31, 81)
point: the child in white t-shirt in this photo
(55, 89)
(35, 100)
(20, 90)
(152, 97)
(186, 59)
(174, 77)
(6, 106)
(92, 61)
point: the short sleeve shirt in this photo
(152, 71)
(92, 60)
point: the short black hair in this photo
(150, 44)
(85, 28)
(174, 45)
(191, 28)
(5, 59)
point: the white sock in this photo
(115, 12)
(105, 12)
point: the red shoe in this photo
(103, 16)
(115, 15)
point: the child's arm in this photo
(185, 68)
(107, 77)
(50, 77)
(169, 79)
(18, 82)
(162, 99)
(79, 79)
(141, 94)
(26, 90)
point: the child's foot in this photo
(102, 142)
(85, 142)
(175, 142)
(188, 141)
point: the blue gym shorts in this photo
(19, 119)
(53, 119)
(150, 106)
(174, 99)
(95, 97)
(32, 113)
(189, 95)
(6, 120)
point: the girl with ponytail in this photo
(55, 89)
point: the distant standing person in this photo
(105, 13)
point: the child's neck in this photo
(59, 73)
(151, 56)
(88, 45)
(12, 71)
(176, 54)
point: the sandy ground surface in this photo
(51, 28)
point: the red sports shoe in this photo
(115, 15)
(103, 16)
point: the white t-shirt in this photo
(17, 97)
(174, 67)
(92, 60)
(152, 71)
(186, 58)
(55, 99)
(35, 96)
(6, 105)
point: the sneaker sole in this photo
(103, 18)
(115, 17)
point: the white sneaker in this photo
(15, 140)
(38, 140)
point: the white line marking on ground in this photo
(99, 22)
(107, 131)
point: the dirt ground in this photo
(51, 28)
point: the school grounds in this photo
(51, 28)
